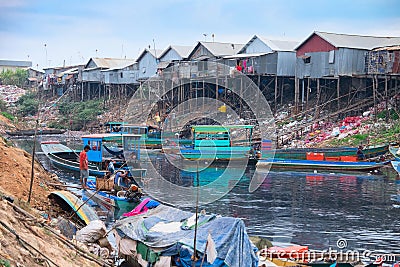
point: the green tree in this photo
(28, 104)
(17, 77)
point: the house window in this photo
(203, 65)
(331, 56)
(307, 59)
(122, 75)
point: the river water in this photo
(307, 208)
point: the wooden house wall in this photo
(201, 51)
(91, 64)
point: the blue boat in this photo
(395, 152)
(216, 142)
(64, 157)
(319, 164)
(120, 202)
(396, 166)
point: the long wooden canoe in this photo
(300, 153)
(318, 164)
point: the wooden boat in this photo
(394, 151)
(84, 212)
(150, 136)
(120, 202)
(300, 153)
(32, 132)
(396, 166)
(216, 142)
(64, 157)
(318, 164)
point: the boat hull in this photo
(396, 166)
(394, 150)
(232, 153)
(301, 153)
(318, 165)
(59, 162)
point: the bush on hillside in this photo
(28, 104)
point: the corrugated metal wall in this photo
(257, 46)
(171, 55)
(92, 76)
(147, 66)
(346, 62)
(286, 63)
(349, 62)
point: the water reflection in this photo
(314, 209)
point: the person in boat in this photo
(84, 166)
(110, 167)
(121, 180)
(360, 153)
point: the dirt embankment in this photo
(25, 237)
(15, 176)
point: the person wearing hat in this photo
(84, 165)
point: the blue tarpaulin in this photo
(229, 234)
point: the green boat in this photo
(150, 136)
(217, 142)
(301, 153)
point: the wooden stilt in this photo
(374, 94)
(308, 92)
(317, 108)
(282, 86)
(276, 94)
(338, 93)
(386, 100)
(296, 95)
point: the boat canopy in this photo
(219, 128)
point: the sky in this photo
(51, 32)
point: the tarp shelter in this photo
(166, 234)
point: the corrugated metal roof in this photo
(181, 50)
(388, 48)
(15, 63)
(112, 63)
(275, 45)
(72, 70)
(279, 45)
(222, 49)
(163, 65)
(154, 52)
(246, 55)
(355, 41)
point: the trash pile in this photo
(11, 93)
(315, 134)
